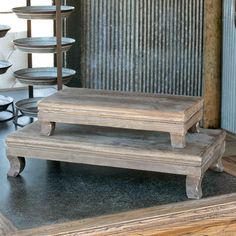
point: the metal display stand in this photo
(57, 45)
(5, 101)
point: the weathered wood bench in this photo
(141, 150)
(141, 111)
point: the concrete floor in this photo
(50, 192)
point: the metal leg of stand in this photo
(13, 113)
(16, 118)
(19, 114)
(13, 109)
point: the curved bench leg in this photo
(195, 128)
(218, 166)
(177, 140)
(194, 186)
(48, 128)
(17, 165)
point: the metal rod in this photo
(54, 34)
(29, 56)
(59, 47)
(6, 12)
(64, 54)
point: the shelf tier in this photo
(43, 75)
(29, 106)
(41, 12)
(4, 66)
(42, 44)
(3, 30)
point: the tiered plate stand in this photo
(47, 75)
(5, 101)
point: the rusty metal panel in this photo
(138, 45)
(228, 112)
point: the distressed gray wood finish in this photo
(103, 146)
(17, 165)
(141, 111)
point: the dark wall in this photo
(138, 45)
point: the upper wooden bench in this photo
(141, 111)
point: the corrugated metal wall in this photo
(138, 45)
(228, 112)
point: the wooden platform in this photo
(141, 150)
(141, 111)
(210, 216)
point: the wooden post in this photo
(212, 63)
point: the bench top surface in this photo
(154, 146)
(129, 103)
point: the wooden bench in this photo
(132, 149)
(141, 111)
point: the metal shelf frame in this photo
(58, 58)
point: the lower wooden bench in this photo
(141, 150)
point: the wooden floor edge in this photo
(219, 212)
(220, 228)
(6, 226)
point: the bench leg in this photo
(48, 128)
(195, 128)
(177, 141)
(194, 187)
(217, 166)
(17, 165)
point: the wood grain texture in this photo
(212, 62)
(141, 150)
(167, 113)
(6, 227)
(118, 142)
(126, 102)
(210, 216)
